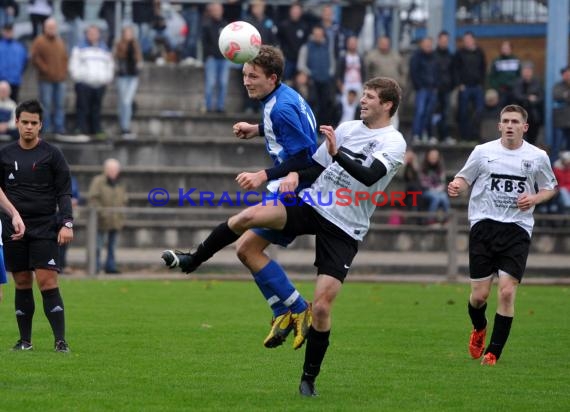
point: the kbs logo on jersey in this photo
(508, 183)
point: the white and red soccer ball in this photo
(239, 42)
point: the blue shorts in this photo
(3, 277)
(277, 237)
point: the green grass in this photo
(196, 345)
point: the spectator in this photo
(92, 68)
(561, 115)
(105, 191)
(49, 57)
(383, 14)
(350, 104)
(107, 12)
(335, 34)
(192, 14)
(162, 50)
(265, 25)
(8, 129)
(292, 33)
(505, 70)
(423, 74)
(143, 15)
(411, 177)
(383, 61)
(433, 181)
(216, 67)
(129, 60)
(8, 12)
(490, 115)
(562, 173)
(317, 61)
(350, 68)
(446, 84)
(73, 12)
(528, 93)
(14, 60)
(470, 68)
(301, 84)
(39, 11)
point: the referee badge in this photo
(527, 166)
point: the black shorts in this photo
(495, 246)
(334, 250)
(37, 250)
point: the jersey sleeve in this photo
(545, 178)
(62, 183)
(470, 170)
(391, 154)
(289, 131)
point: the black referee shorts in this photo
(37, 250)
(334, 250)
(495, 246)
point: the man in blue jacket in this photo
(13, 61)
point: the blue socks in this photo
(278, 290)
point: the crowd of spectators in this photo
(330, 52)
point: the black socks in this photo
(501, 330)
(477, 316)
(317, 344)
(218, 239)
(25, 307)
(53, 308)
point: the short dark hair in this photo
(271, 61)
(30, 106)
(388, 91)
(515, 108)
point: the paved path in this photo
(368, 265)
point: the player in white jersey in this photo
(360, 157)
(505, 175)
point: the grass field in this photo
(196, 345)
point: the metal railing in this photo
(455, 223)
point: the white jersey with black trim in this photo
(499, 176)
(339, 197)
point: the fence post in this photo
(92, 241)
(452, 267)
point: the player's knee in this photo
(478, 298)
(23, 280)
(243, 220)
(507, 294)
(321, 310)
(23, 283)
(243, 252)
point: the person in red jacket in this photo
(562, 173)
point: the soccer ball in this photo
(239, 42)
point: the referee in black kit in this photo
(36, 179)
